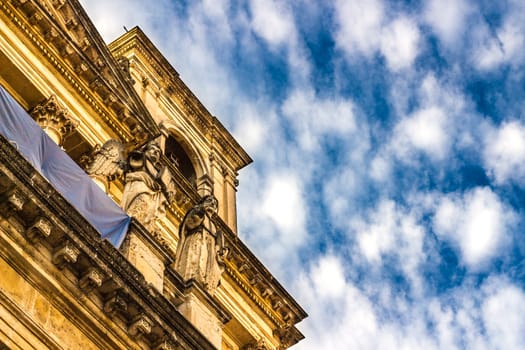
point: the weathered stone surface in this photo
(144, 259)
(199, 314)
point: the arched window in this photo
(180, 159)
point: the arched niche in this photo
(178, 156)
(182, 152)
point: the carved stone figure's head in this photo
(210, 204)
(153, 152)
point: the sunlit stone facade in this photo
(123, 114)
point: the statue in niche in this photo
(149, 186)
(201, 249)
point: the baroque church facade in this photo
(118, 200)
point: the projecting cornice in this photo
(173, 86)
(61, 31)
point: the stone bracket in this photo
(116, 303)
(167, 344)
(15, 200)
(92, 279)
(41, 228)
(141, 326)
(65, 254)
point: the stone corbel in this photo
(289, 318)
(35, 18)
(18, 3)
(58, 4)
(258, 345)
(16, 200)
(38, 181)
(244, 267)
(65, 254)
(141, 326)
(256, 279)
(286, 337)
(166, 344)
(92, 279)
(41, 228)
(266, 292)
(71, 23)
(115, 303)
(277, 304)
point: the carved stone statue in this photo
(106, 162)
(149, 186)
(201, 249)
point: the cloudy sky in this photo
(387, 191)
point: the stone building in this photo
(117, 200)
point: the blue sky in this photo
(387, 191)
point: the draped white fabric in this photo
(61, 171)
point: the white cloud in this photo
(504, 152)
(217, 16)
(503, 315)
(313, 117)
(489, 316)
(359, 25)
(379, 237)
(503, 44)
(426, 131)
(364, 28)
(328, 277)
(380, 168)
(447, 18)
(252, 128)
(272, 21)
(130, 13)
(438, 124)
(400, 43)
(393, 231)
(478, 222)
(283, 203)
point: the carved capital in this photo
(116, 303)
(54, 119)
(92, 279)
(140, 326)
(41, 228)
(65, 254)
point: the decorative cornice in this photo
(66, 37)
